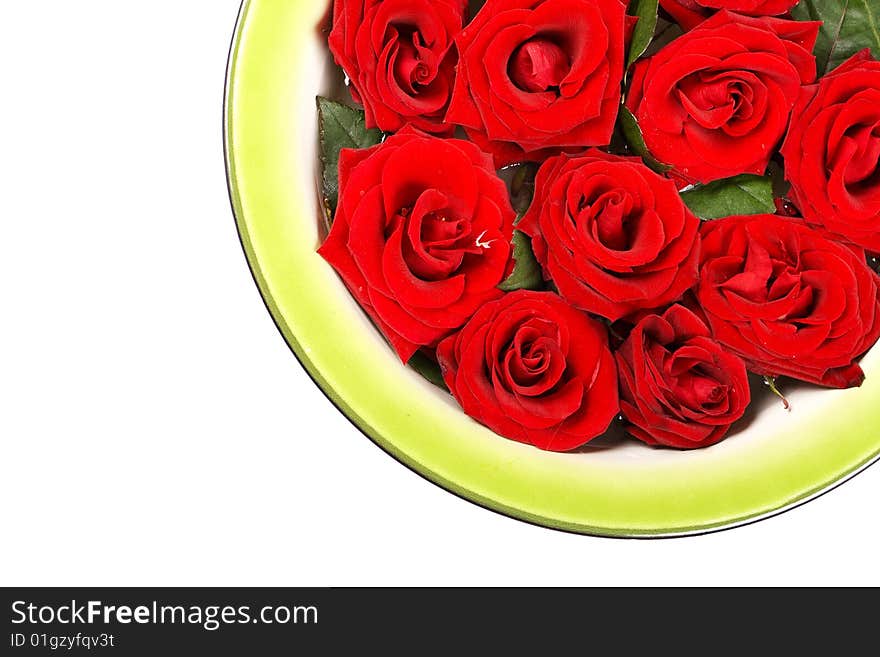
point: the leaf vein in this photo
(872, 22)
(836, 39)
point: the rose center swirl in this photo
(416, 65)
(436, 241)
(533, 362)
(700, 392)
(539, 65)
(780, 284)
(858, 155)
(714, 99)
(605, 214)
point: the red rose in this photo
(831, 152)
(611, 234)
(715, 102)
(787, 299)
(540, 74)
(421, 236)
(532, 368)
(400, 58)
(678, 386)
(690, 13)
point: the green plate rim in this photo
(232, 171)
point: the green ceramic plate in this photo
(775, 460)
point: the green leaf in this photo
(522, 186)
(665, 33)
(526, 273)
(849, 26)
(428, 369)
(632, 133)
(745, 194)
(646, 11)
(340, 127)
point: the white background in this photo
(156, 430)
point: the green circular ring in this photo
(269, 125)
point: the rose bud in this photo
(400, 58)
(422, 235)
(832, 150)
(612, 235)
(537, 76)
(787, 299)
(678, 386)
(532, 368)
(715, 102)
(690, 13)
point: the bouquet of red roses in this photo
(578, 210)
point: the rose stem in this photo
(770, 382)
